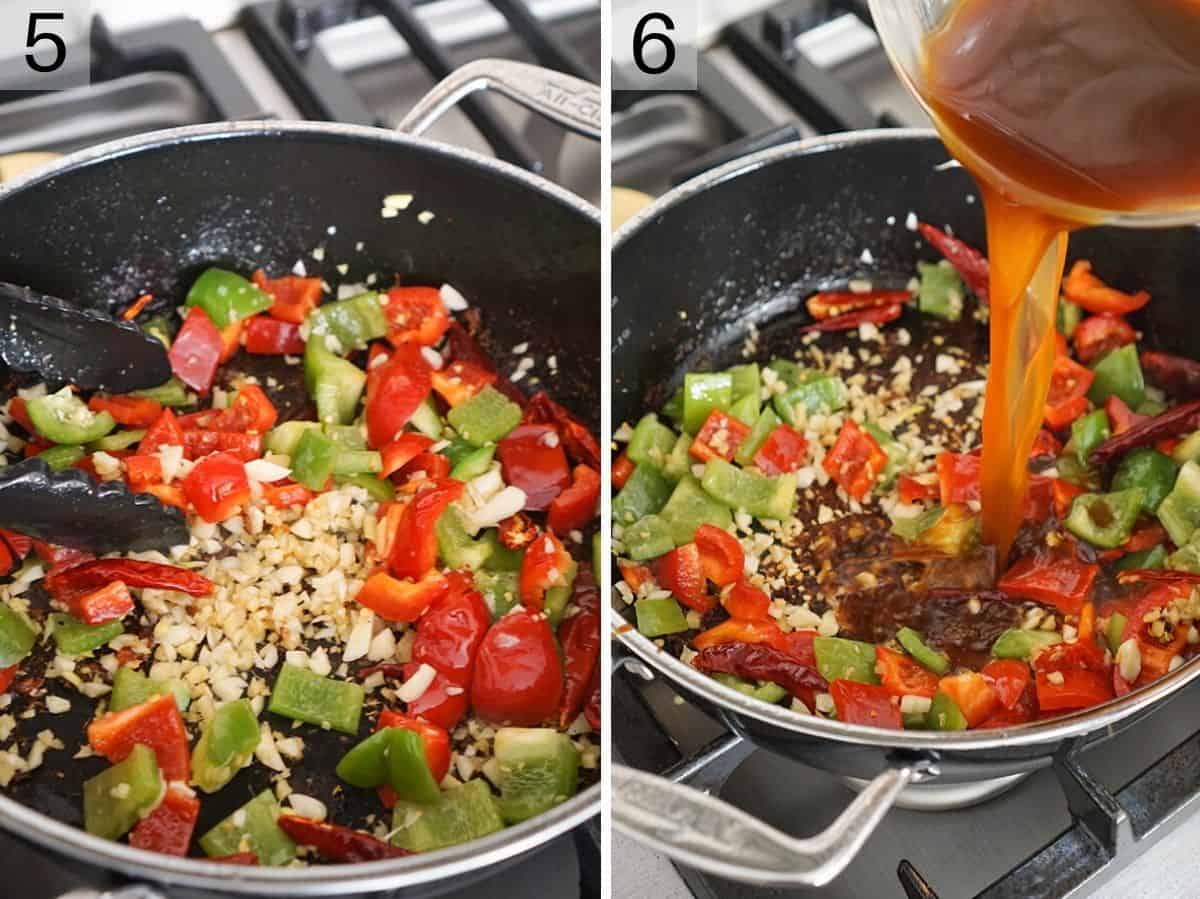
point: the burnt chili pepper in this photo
(581, 446)
(879, 315)
(969, 262)
(517, 531)
(336, 843)
(1176, 375)
(579, 637)
(100, 572)
(757, 661)
(1172, 423)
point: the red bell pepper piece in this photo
(435, 738)
(958, 477)
(635, 574)
(196, 351)
(1060, 345)
(415, 315)
(719, 437)
(446, 701)
(459, 381)
(89, 574)
(266, 336)
(785, 450)
(425, 466)
(168, 829)
(1097, 335)
(1078, 689)
(294, 297)
(1065, 583)
(880, 315)
(901, 676)
(572, 509)
(622, 468)
(16, 409)
(869, 704)
(164, 432)
(971, 265)
(832, 303)
(545, 565)
(449, 634)
(579, 637)
(682, 572)
(399, 452)
(1064, 495)
(337, 843)
(287, 494)
(914, 490)
(245, 447)
(415, 550)
(156, 723)
(518, 677)
(231, 340)
(402, 600)
(972, 694)
(1067, 399)
(130, 411)
(1008, 679)
(108, 603)
(732, 631)
(745, 602)
(1039, 500)
(855, 460)
(1120, 417)
(721, 556)
(394, 391)
(142, 471)
(1046, 444)
(581, 446)
(1084, 289)
(797, 645)
(217, 486)
(532, 458)
(7, 675)
(250, 410)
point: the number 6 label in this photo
(44, 44)
(654, 44)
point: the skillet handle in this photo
(709, 834)
(565, 99)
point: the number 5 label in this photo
(654, 44)
(44, 44)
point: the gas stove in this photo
(1113, 823)
(155, 66)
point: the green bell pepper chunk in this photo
(557, 597)
(760, 430)
(64, 418)
(897, 454)
(171, 393)
(474, 464)
(911, 527)
(739, 488)
(314, 460)
(1119, 372)
(118, 440)
(1188, 449)
(789, 372)
(500, 589)
(679, 462)
(457, 449)
(353, 322)
(745, 409)
(501, 557)
(643, 494)
(457, 548)
(365, 765)
(60, 458)
(301, 695)
(659, 617)
(1071, 471)
(227, 297)
(944, 714)
(1179, 512)
(926, 655)
(673, 408)
(1155, 557)
(1105, 519)
(1151, 407)
(285, 437)
(461, 814)
(1067, 317)
(702, 393)
(1187, 557)
(334, 383)
(253, 827)
(816, 392)
(537, 769)
(347, 437)
(408, 771)
(1017, 643)
(1114, 631)
(74, 638)
(486, 417)
(158, 327)
(941, 291)
(357, 462)
(17, 636)
(427, 421)
(118, 797)
(131, 687)
(746, 380)
(689, 507)
(647, 538)
(379, 489)
(848, 659)
(1087, 433)
(651, 443)
(226, 745)
(1150, 470)
(762, 690)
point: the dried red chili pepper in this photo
(1176, 375)
(579, 637)
(758, 661)
(517, 531)
(1173, 423)
(970, 264)
(581, 446)
(387, 669)
(461, 346)
(337, 843)
(879, 315)
(831, 303)
(99, 572)
(591, 711)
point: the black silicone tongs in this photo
(67, 344)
